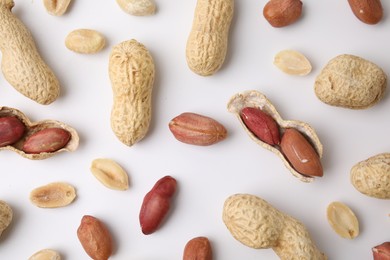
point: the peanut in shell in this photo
(253, 98)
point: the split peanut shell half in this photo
(253, 98)
(32, 128)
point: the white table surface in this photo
(206, 176)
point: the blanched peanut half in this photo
(53, 195)
(110, 174)
(137, 7)
(46, 254)
(85, 41)
(292, 63)
(342, 219)
(56, 7)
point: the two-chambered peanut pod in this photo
(131, 71)
(295, 142)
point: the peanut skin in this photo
(300, 153)
(367, 11)
(131, 71)
(46, 140)
(261, 124)
(156, 204)
(208, 40)
(281, 13)
(195, 129)
(11, 130)
(95, 238)
(21, 63)
(198, 248)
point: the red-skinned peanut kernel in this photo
(261, 125)
(156, 204)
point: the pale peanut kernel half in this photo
(342, 220)
(110, 174)
(56, 7)
(46, 254)
(292, 62)
(53, 195)
(85, 41)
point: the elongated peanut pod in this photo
(257, 224)
(21, 63)
(208, 40)
(131, 71)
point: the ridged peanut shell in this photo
(351, 82)
(34, 127)
(257, 224)
(207, 42)
(131, 70)
(253, 98)
(6, 215)
(21, 63)
(371, 177)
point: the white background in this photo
(206, 175)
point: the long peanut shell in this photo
(208, 40)
(131, 71)
(33, 127)
(22, 65)
(253, 98)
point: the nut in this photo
(156, 204)
(6, 215)
(45, 254)
(261, 124)
(195, 129)
(255, 99)
(11, 130)
(342, 220)
(110, 174)
(198, 248)
(22, 65)
(131, 71)
(382, 251)
(257, 224)
(300, 153)
(367, 11)
(208, 40)
(351, 82)
(280, 13)
(372, 176)
(33, 127)
(95, 238)
(85, 41)
(56, 7)
(47, 140)
(137, 7)
(53, 195)
(292, 63)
